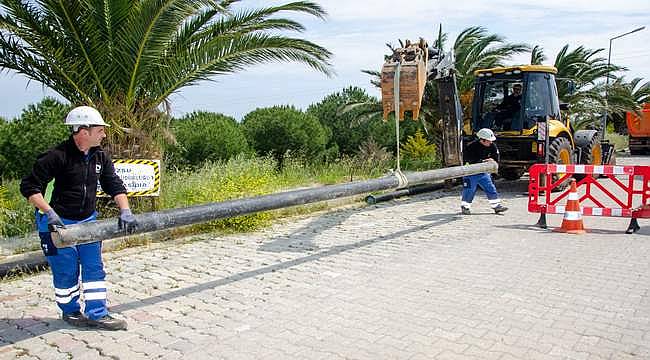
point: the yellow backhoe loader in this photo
(519, 103)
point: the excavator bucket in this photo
(412, 62)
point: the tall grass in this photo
(16, 215)
(239, 177)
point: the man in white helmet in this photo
(77, 165)
(483, 149)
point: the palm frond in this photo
(537, 56)
(375, 75)
(218, 57)
(132, 51)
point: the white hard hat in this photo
(84, 116)
(486, 134)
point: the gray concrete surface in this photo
(408, 279)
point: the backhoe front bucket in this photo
(412, 79)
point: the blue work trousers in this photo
(484, 181)
(67, 263)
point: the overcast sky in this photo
(356, 32)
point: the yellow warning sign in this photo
(141, 177)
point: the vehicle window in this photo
(538, 99)
(555, 102)
(493, 96)
(501, 105)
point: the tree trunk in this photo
(133, 134)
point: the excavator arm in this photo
(403, 78)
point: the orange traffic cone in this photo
(572, 222)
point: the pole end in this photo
(58, 238)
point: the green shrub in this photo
(204, 136)
(4, 136)
(418, 154)
(346, 134)
(38, 128)
(384, 132)
(281, 129)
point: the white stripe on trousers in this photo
(66, 299)
(94, 285)
(65, 292)
(95, 295)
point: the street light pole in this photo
(609, 58)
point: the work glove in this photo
(53, 220)
(127, 221)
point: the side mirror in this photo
(565, 106)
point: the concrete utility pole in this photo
(153, 221)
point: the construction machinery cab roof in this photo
(515, 69)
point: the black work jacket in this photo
(76, 175)
(475, 152)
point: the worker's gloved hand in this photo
(53, 220)
(127, 221)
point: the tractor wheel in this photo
(592, 152)
(560, 152)
(511, 173)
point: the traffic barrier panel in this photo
(626, 195)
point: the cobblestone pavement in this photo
(408, 279)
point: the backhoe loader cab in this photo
(512, 101)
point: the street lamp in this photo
(609, 57)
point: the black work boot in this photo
(499, 209)
(108, 323)
(76, 319)
(465, 210)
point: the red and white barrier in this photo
(628, 190)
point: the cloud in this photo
(356, 32)
(418, 10)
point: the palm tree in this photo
(626, 97)
(475, 49)
(126, 57)
(584, 68)
(581, 74)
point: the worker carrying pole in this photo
(77, 165)
(101, 230)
